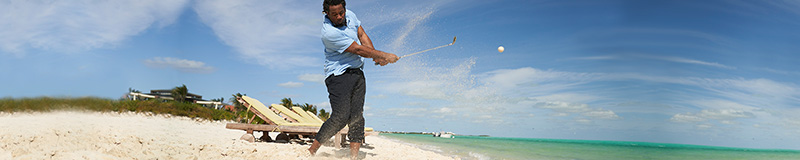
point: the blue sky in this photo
(695, 72)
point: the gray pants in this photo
(346, 93)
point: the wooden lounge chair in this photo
(301, 126)
(307, 115)
(314, 119)
(295, 116)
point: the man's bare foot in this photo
(314, 147)
(354, 147)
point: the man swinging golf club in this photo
(346, 46)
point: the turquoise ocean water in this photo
(474, 147)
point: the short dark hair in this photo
(327, 3)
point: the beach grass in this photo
(48, 104)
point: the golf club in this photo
(454, 42)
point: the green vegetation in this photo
(242, 115)
(179, 93)
(133, 90)
(324, 115)
(48, 104)
(178, 107)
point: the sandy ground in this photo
(94, 135)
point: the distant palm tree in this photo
(133, 90)
(241, 111)
(236, 105)
(309, 107)
(179, 93)
(324, 115)
(286, 102)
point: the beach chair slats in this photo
(291, 114)
(265, 113)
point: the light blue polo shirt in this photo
(336, 40)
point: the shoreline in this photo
(126, 135)
(439, 150)
(531, 148)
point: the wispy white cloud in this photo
(444, 110)
(721, 111)
(652, 57)
(571, 97)
(729, 122)
(687, 117)
(794, 122)
(467, 92)
(689, 61)
(744, 89)
(457, 84)
(428, 82)
(422, 89)
(584, 121)
(291, 84)
(721, 114)
(767, 9)
(445, 113)
(417, 104)
(310, 77)
(708, 105)
(546, 81)
(692, 34)
(781, 118)
(789, 6)
(71, 26)
(409, 112)
(506, 79)
(379, 96)
(565, 106)
(783, 72)
(552, 90)
(751, 91)
(278, 33)
(719, 104)
(704, 126)
(731, 99)
(606, 57)
(601, 114)
(182, 65)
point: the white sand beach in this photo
(95, 135)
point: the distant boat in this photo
(444, 135)
(447, 135)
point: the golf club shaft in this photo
(425, 50)
(454, 42)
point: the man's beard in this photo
(344, 22)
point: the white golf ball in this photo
(501, 49)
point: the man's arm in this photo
(364, 38)
(368, 51)
(379, 57)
